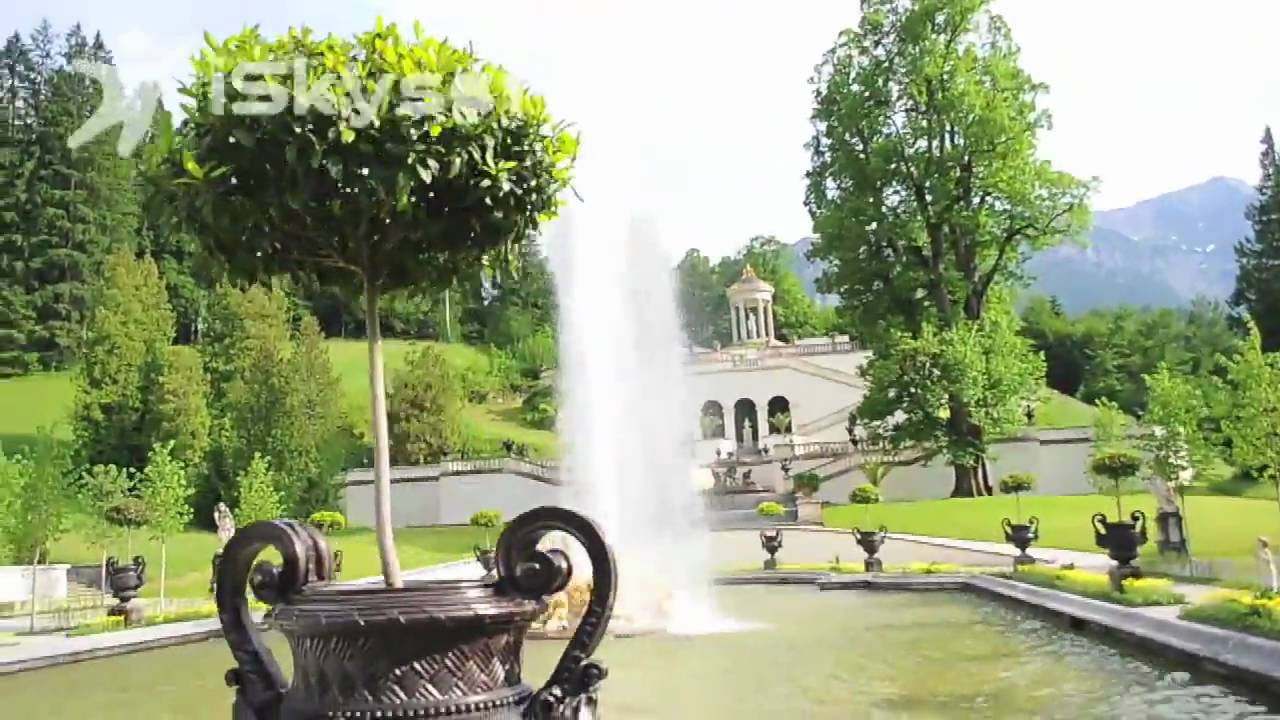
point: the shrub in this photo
(1017, 483)
(327, 521)
(540, 407)
(1256, 613)
(1137, 591)
(536, 354)
(129, 512)
(807, 483)
(485, 519)
(865, 495)
(770, 509)
(424, 411)
(1112, 468)
(258, 498)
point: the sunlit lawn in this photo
(1219, 527)
(1063, 411)
(190, 553)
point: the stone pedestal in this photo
(1119, 573)
(130, 611)
(809, 512)
(873, 564)
(771, 563)
(1022, 559)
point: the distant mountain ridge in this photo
(1159, 252)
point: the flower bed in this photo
(115, 623)
(1138, 592)
(1256, 613)
(916, 568)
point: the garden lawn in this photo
(31, 402)
(190, 554)
(1063, 411)
(1218, 527)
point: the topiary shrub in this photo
(1112, 469)
(1015, 484)
(327, 521)
(866, 496)
(487, 519)
(807, 483)
(770, 509)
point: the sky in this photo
(695, 113)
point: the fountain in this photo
(625, 420)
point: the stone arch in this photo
(779, 406)
(711, 420)
(743, 410)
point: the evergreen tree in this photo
(17, 316)
(424, 409)
(124, 354)
(1257, 291)
(257, 497)
(317, 448)
(179, 411)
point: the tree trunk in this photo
(448, 321)
(381, 442)
(164, 556)
(964, 485)
(959, 427)
(35, 561)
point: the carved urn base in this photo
(437, 649)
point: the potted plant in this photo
(1112, 469)
(870, 540)
(388, 160)
(807, 484)
(1021, 535)
(486, 520)
(329, 522)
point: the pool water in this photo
(820, 655)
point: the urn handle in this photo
(259, 684)
(1007, 524)
(1034, 523)
(1139, 519)
(140, 568)
(1099, 522)
(525, 571)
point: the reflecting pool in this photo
(823, 655)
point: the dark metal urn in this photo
(125, 582)
(771, 542)
(871, 542)
(438, 649)
(1121, 540)
(1021, 536)
(486, 557)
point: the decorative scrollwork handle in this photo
(1034, 523)
(1099, 522)
(1139, 519)
(525, 571)
(1007, 524)
(259, 684)
(140, 565)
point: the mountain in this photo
(1161, 252)
(808, 271)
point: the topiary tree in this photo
(486, 519)
(426, 409)
(102, 488)
(866, 496)
(366, 197)
(258, 498)
(129, 513)
(1015, 484)
(1112, 469)
(807, 483)
(770, 509)
(876, 472)
(327, 521)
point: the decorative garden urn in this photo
(771, 542)
(1021, 536)
(486, 557)
(432, 649)
(871, 541)
(125, 582)
(1121, 540)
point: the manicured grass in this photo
(1138, 592)
(501, 421)
(1218, 527)
(190, 553)
(31, 402)
(1063, 411)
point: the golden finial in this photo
(747, 272)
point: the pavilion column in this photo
(769, 317)
(760, 328)
(742, 322)
(733, 323)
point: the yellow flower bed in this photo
(1137, 591)
(1257, 613)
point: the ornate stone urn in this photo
(1121, 540)
(125, 581)
(771, 542)
(438, 649)
(1021, 536)
(870, 541)
(487, 558)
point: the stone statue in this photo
(1267, 566)
(1165, 499)
(747, 437)
(226, 523)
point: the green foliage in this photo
(327, 521)
(1017, 483)
(424, 410)
(866, 494)
(166, 492)
(536, 353)
(770, 509)
(102, 489)
(485, 519)
(1256, 613)
(1253, 422)
(319, 436)
(953, 391)
(540, 407)
(1257, 291)
(128, 512)
(121, 361)
(704, 309)
(114, 623)
(180, 412)
(41, 498)
(780, 422)
(1177, 415)
(1112, 470)
(1138, 592)
(807, 483)
(875, 472)
(258, 498)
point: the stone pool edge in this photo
(1233, 655)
